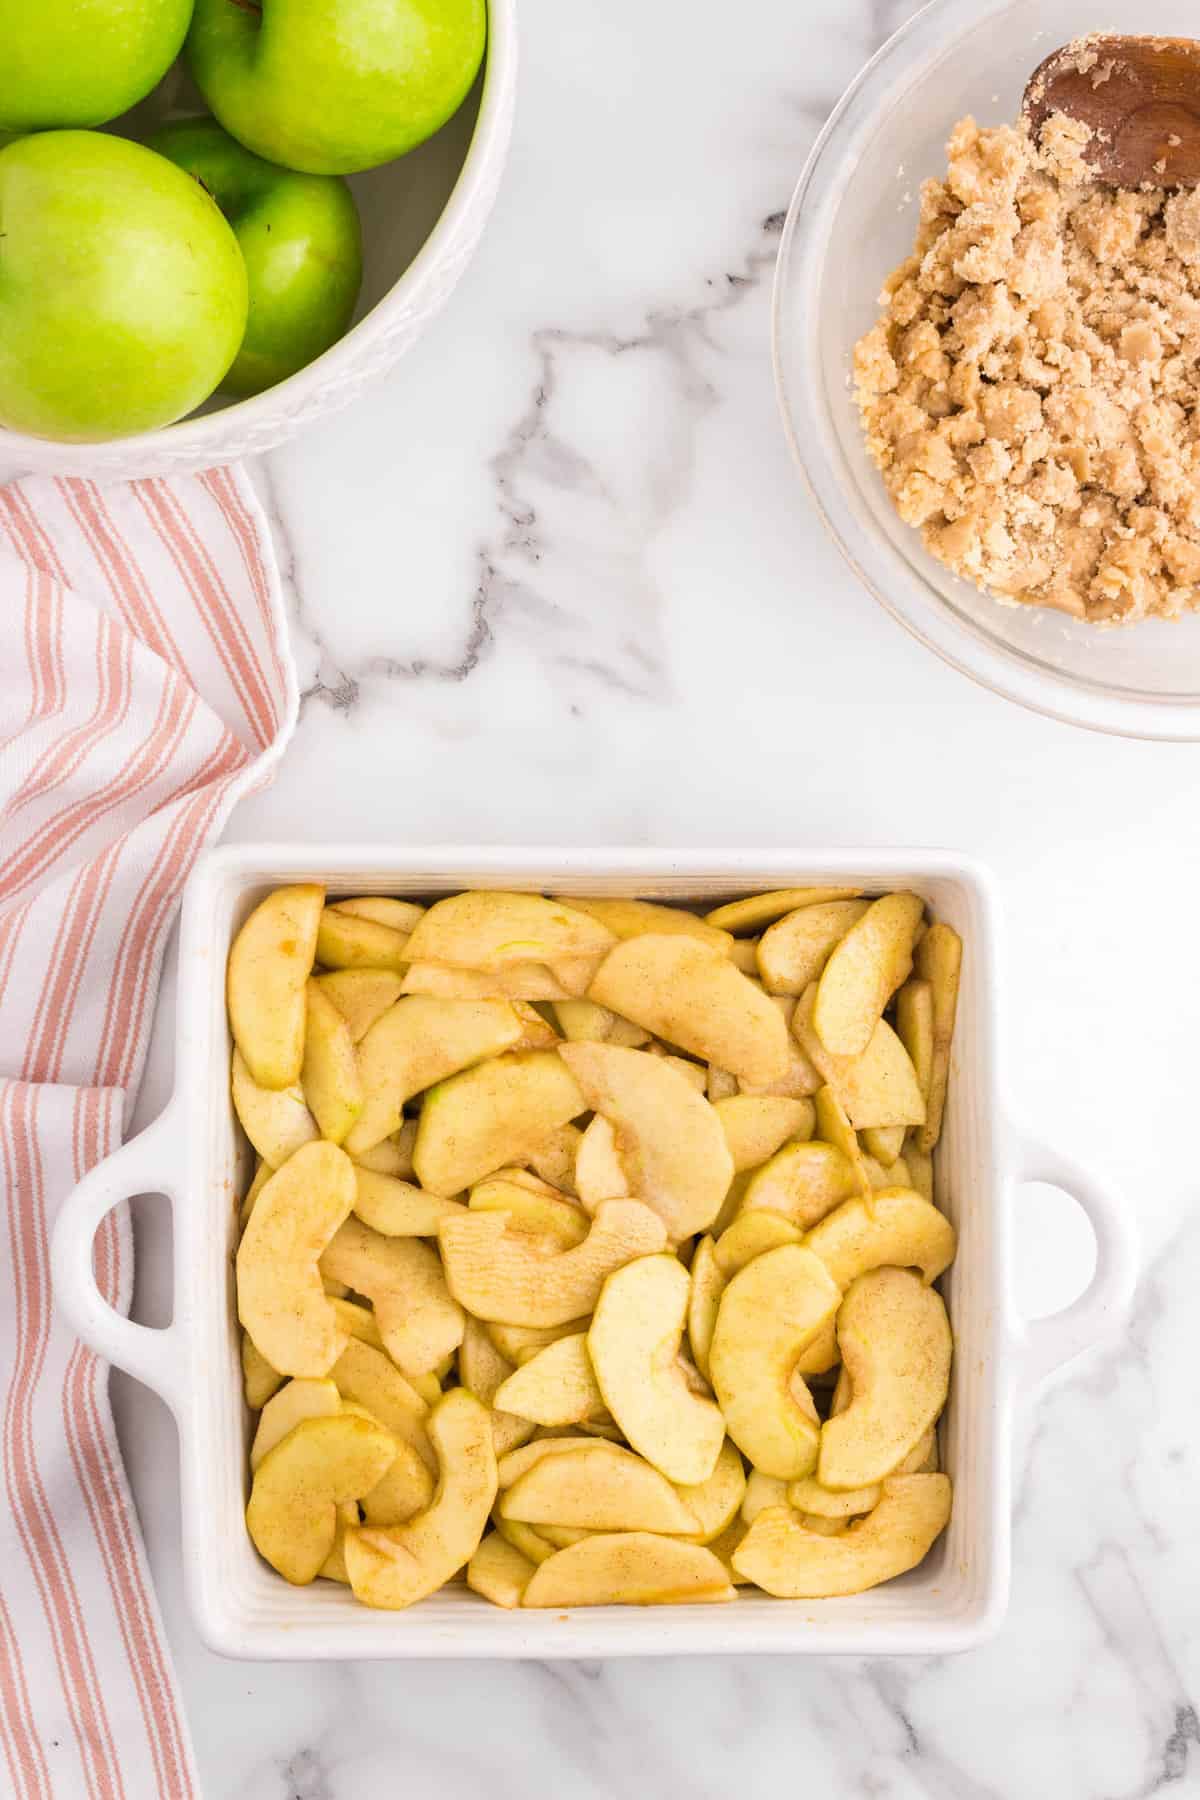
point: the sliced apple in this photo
(918, 1165)
(780, 1555)
(334, 1566)
(418, 1320)
(691, 995)
(628, 1568)
(670, 1140)
(347, 942)
(802, 1182)
(755, 1128)
(879, 1087)
(693, 1073)
(367, 1377)
(715, 1503)
(633, 1343)
(517, 1343)
(397, 1208)
(397, 915)
(361, 996)
(583, 1022)
(864, 971)
(482, 1369)
(259, 1379)
(720, 1084)
(417, 1042)
(939, 962)
(794, 951)
(899, 1229)
(357, 1320)
(762, 1491)
(276, 1120)
(769, 1314)
(393, 1568)
(499, 1572)
(404, 1489)
(808, 1496)
(329, 1074)
(304, 1398)
(496, 1113)
(299, 1485)
(704, 1297)
(537, 1033)
(281, 1301)
(633, 918)
(391, 1155)
(269, 963)
(752, 1234)
(599, 1172)
(543, 1214)
(884, 1143)
(833, 1127)
(497, 1273)
(518, 1462)
(535, 1548)
(557, 1386)
(523, 981)
(262, 1175)
(493, 930)
(800, 1079)
(896, 1348)
(602, 1488)
(757, 910)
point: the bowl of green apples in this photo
(221, 219)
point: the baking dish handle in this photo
(140, 1166)
(1049, 1345)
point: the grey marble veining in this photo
(555, 581)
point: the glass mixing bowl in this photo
(853, 217)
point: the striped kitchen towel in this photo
(145, 685)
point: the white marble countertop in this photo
(555, 582)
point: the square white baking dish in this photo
(193, 1154)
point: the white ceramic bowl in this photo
(194, 1154)
(422, 218)
(852, 219)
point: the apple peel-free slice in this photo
(397, 1208)
(864, 971)
(896, 1349)
(276, 1120)
(493, 1114)
(879, 1087)
(298, 1486)
(603, 1488)
(938, 961)
(329, 1074)
(281, 1301)
(415, 1043)
(418, 1319)
(269, 964)
(393, 1568)
(794, 1563)
(499, 1572)
(756, 910)
(347, 941)
(897, 1228)
(491, 930)
(794, 950)
(634, 1342)
(367, 1377)
(628, 1568)
(557, 1386)
(499, 1274)
(634, 918)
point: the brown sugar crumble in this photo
(1031, 392)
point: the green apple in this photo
(339, 86)
(80, 62)
(302, 245)
(122, 289)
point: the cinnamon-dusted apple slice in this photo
(670, 1141)
(517, 1343)
(707, 1285)
(493, 1114)
(757, 910)
(634, 918)
(914, 1028)
(802, 1182)
(393, 1568)
(599, 1171)
(628, 1568)
(535, 1211)
(493, 930)
(808, 1496)
(392, 1155)
(554, 1158)
(833, 1127)
(756, 1126)
(367, 1377)
(307, 1397)
(716, 1502)
(497, 1273)
(329, 1073)
(896, 1346)
(634, 1342)
(397, 915)
(417, 1042)
(518, 1462)
(898, 1228)
(356, 1319)
(361, 996)
(752, 1234)
(281, 1301)
(259, 1379)
(557, 1386)
(404, 1489)
(418, 1320)
(691, 995)
(482, 1369)
(276, 1120)
(938, 961)
(879, 1087)
(262, 1175)
(786, 1559)
(864, 971)
(794, 951)
(499, 1572)
(769, 1314)
(603, 1488)
(398, 1209)
(269, 963)
(523, 981)
(884, 1143)
(345, 941)
(299, 1485)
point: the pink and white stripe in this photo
(145, 684)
